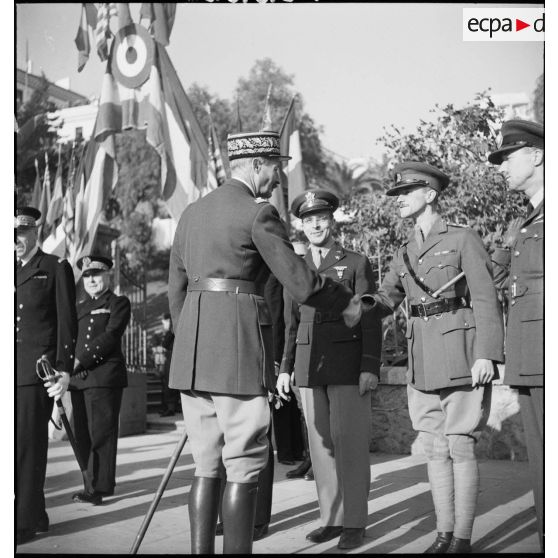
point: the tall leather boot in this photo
(203, 506)
(239, 511)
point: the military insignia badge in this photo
(310, 197)
(340, 270)
(86, 261)
(398, 177)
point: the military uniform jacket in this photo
(224, 341)
(45, 316)
(443, 348)
(521, 271)
(319, 346)
(101, 325)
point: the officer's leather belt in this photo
(224, 285)
(426, 309)
(320, 317)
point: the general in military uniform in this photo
(99, 376)
(224, 247)
(455, 335)
(519, 267)
(45, 325)
(335, 368)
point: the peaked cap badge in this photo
(310, 197)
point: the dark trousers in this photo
(33, 410)
(531, 401)
(96, 412)
(169, 396)
(287, 427)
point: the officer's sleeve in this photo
(390, 294)
(477, 266)
(104, 344)
(273, 295)
(501, 259)
(178, 278)
(292, 319)
(370, 323)
(65, 316)
(303, 284)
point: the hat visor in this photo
(398, 187)
(496, 157)
(279, 157)
(89, 272)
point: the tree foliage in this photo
(456, 141)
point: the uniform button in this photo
(515, 277)
(18, 318)
(425, 318)
(466, 324)
(421, 278)
(536, 235)
(420, 260)
(65, 346)
(439, 265)
(523, 231)
(196, 278)
(87, 336)
(21, 306)
(516, 253)
(513, 302)
(89, 328)
(91, 320)
(423, 299)
(17, 328)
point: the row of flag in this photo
(191, 161)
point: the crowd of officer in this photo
(226, 360)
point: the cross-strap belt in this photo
(426, 309)
(214, 284)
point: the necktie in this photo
(318, 258)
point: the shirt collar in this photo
(245, 183)
(536, 200)
(324, 250)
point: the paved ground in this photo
(400, 520)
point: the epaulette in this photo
(458, 225)
(261, 200)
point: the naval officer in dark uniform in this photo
(519, 267)
(45, 325)
(224, 247)
(99, 376)
(455, 337)
(335, 368)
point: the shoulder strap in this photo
(412, 273)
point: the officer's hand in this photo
(351, 314)
(82, 375)
(284, 385)
(511, 233)
(58, 389)
(367, 381)
(482, 372)
(277, 368)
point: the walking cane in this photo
(46, 372)
(159, 493)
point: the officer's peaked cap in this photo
(93, 264)
(312, 201)
(415, 173)
(26, 217)
(266, 143)
(516, 134)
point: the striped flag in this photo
(44, 204)
(162, 106)
(290, 144)
(96, 179)
(102, 29)
(69, 206)
(55, 242)
(161, 19)
(216, 169)
(87, 23)
(36, 196)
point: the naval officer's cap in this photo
(26, 217)
(89, 265)
(255, 144)
(410, 174)
(312, 201)
(516, 134)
